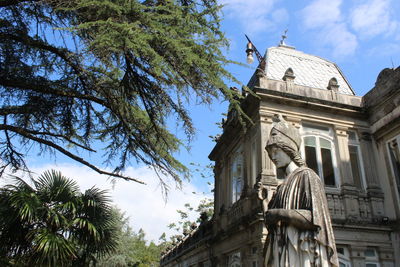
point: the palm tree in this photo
(52, 223)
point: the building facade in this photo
(351, 142)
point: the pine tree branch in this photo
(25, 133)
(21, 83)
(61, 136)
(63, 53)
(25, 109)
(5, 3)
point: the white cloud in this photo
(373, 18)
(255, 15)
(343, 42)
(144, 204)
(391, 50)
(321, 13)
(326, 18)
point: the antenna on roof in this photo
(250, 48)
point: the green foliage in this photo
(132, 249)
(53, 224)
(75, 73)
(204, 210)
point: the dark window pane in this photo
(355, 167)
(311, 158)
(352, 136)
(369, 253)
(327, 167)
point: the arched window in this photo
(319, 153)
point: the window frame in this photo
(235, 259)
(372, 259)
(356, 143)
(392, 170)
(312, 130)
(345, 257)
(234, 194)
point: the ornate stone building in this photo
(352, 142)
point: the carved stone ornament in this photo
(297, 216)
(333, 84)
(289, 75)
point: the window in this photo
(234, 260)
(371, 258)
(319, 152)
(237, 175)
(356, 161)
(394, 156)
(343, 256)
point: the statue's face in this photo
(278, 157)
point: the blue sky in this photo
(361, 36)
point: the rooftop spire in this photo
(284, 36)
(282, 42)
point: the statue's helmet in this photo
(284, 135)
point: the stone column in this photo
(268, 175)
(369, 161)
(246, 157)
(357, 256)
(373, 186)
(386, 257)
(217, 187)
(224, 185)
(348, 190)
(344, 157)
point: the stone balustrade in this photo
(353, 208)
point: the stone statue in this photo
(297, 216)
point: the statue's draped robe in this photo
(286, 245)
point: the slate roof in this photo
(309, 70)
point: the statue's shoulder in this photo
(307, 172)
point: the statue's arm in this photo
(300, 219)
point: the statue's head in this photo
(285, 137)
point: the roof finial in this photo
(282, 42)
(284, 36)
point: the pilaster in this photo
(369, 162)
(344, 157)
(357, 256)
(268, 175)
